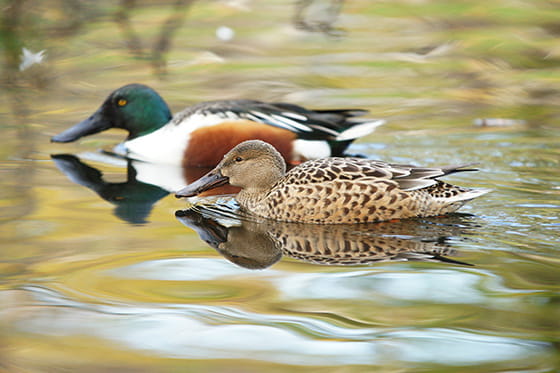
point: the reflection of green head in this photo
(133, 199)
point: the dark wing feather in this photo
(308, 124)
(422, 177)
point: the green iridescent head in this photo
(135, 107)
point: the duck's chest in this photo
(205, 145)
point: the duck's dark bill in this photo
(94, 124)
(209, 181)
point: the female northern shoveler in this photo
(332, 190)
(201, 134)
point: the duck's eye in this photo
(122, 102)
(238, 159)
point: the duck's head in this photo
(135, 107)
(252, 165)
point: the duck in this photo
(332, 190)
(200, 135)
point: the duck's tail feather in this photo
(451, 193)
(468, 194)
(359, 129)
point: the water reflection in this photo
(15, 86)
(145, 183)
(133, 199)
(259, 243)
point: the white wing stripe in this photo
(294, 116)
(291, 123)
(231, 115)
(281, 123)
(359, 130)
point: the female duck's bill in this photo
(332, 190)
(201, 134)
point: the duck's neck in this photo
(250, 198)
(149, 120)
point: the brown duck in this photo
(332, 190)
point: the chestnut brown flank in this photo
(208, 145)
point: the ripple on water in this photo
(192, 332)
(178, 269)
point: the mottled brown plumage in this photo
(332, 190)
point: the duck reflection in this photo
(258, 244)
(145, 183)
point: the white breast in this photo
(304, 150)
(167, 145)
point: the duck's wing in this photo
(338, 125)
(406, 176)
(421, 177)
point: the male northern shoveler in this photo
(200, 135)
(332, 190)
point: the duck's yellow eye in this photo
(122, 102)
